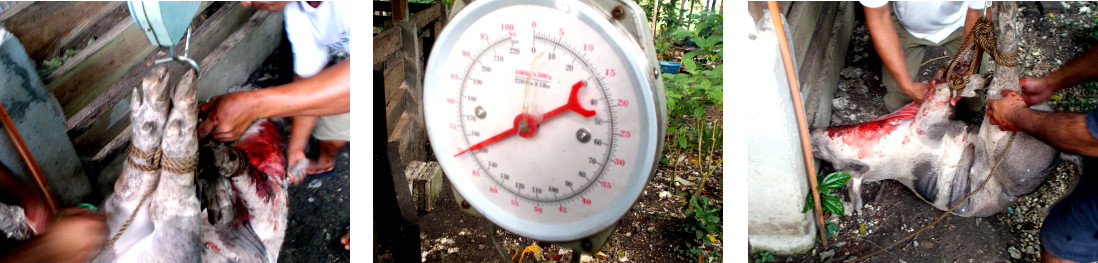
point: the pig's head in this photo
(831, 149)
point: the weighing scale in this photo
(547, 117)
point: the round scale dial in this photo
(542, 115)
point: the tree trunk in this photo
(655, 16)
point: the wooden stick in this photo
(799, 110)
(20, 146)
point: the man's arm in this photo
(1067, 131)
(887, 43)
(970, 21)
(326, 93)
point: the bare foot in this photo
(346, 240)
(325, 160)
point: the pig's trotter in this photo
(856, 192)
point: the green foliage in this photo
(830, 202)
(832, 228)
(51, 65)
(704, 223)
(764, 257)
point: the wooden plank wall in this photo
(229, 41)
(400, 57)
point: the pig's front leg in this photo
(141, 170)
(175, 208)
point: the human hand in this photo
(74, 238)
(229, 116)
(1035, 89)
(295, 157)
(1002, 111)
(915, 90)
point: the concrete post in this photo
(40, 121)
(777, 181)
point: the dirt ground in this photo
(650, 232)
(1054, 33)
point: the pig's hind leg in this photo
(175, 207)
(141, 170)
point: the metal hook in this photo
(184, 58)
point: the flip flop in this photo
(323, 174)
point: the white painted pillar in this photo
(777, 182)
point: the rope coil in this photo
(979, 40)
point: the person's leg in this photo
(332, 133)
(913, 55)
(1070, 231)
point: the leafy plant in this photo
(764, 257)
(704, 223)
(828, 200)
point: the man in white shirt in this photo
(319, 97)
(901, 41)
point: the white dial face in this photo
(539, 119)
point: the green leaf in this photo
(808, 203)
(699, 112)
(716, 94)
(831, 203)
(832, 228)
(834, 181)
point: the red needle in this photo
(526, 125)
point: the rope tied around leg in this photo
(180, 165)
(149, 160)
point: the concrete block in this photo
(776, 177)
(40, 121)
(425, 180)
(819, 85)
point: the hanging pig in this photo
(156, 205)
(941, 160)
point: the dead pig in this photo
(156, 205)
(941, 160)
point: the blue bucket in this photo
(670, 67)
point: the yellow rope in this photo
(932, 60)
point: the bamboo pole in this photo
(799, 110)
(20, 146)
